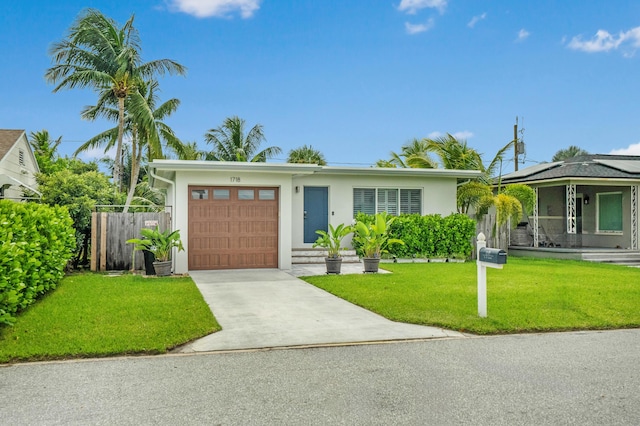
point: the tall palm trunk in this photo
(136, 159)
(117, 164)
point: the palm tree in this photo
(231, 144)
(454, 153)
(99, 54)
(572, 151)
(190, 151)
(44, 149)
(306, 154)
(143, 123)
(413, 154)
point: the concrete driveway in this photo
(271, 308)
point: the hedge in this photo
(37, 243)
(430, 235)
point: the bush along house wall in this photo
(37, 242)
(430, 236)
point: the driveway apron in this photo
(265, 308)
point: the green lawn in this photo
(528, 295)
(91, 315)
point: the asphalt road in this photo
(556, 379)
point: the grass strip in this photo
(528, 295)
(94, 315)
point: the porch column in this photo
(536, 239)
(571, 209)
(634, 217)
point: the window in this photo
(410, 201)
(388, 201)
(220, 194)
(364, 200)
(245, 194)
(21, 157)
(391, 200)
(199, 194)
(610, 212)
(266, 194)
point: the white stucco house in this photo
(234, 215)
(18, 165)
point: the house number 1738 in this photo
(235, 178)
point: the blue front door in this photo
(316, 211)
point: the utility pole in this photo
(515, 145)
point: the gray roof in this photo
(8, 138)
(595, 166)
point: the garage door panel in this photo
(239, 230)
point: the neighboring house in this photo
(18, 165)
(589, 201)
(234, 215)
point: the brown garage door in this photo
(233, 227)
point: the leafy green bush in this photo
(37, 243)
(428, 236)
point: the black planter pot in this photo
(371, 264)
(334, 264)
(149, 258)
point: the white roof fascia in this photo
(389, 171)
(8, 180)
(302, 169)
(190, 165)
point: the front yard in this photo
(93, 315)
(528, 295)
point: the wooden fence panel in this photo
(109, 235)
(496, 238)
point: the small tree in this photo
(230, 143)
(306, 154)
(571, 151)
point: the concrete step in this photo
(617, 257)
(317, 256)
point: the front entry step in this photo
(317, 256)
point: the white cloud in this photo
(603, 41)
(633, 149)
(418, 28)
(523, 35)
(472, 23)
(413, 6)
(217, 8)
(97, 153)
(465, 134)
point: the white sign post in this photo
(482, 272)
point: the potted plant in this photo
(331, 241)
(160, 244)
(373, 239)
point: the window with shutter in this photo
(388, 201)
(410, 201)
(364, 200)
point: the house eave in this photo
(168, 168)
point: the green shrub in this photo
(37, 243)
(428, 236)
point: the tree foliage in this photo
(230, 143)
(306, 154)
(571, 151)
(99, 54)
(79, 193)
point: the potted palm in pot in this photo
(160, 244)
(332, 241)
(374, 240)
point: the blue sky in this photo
(357, 79)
